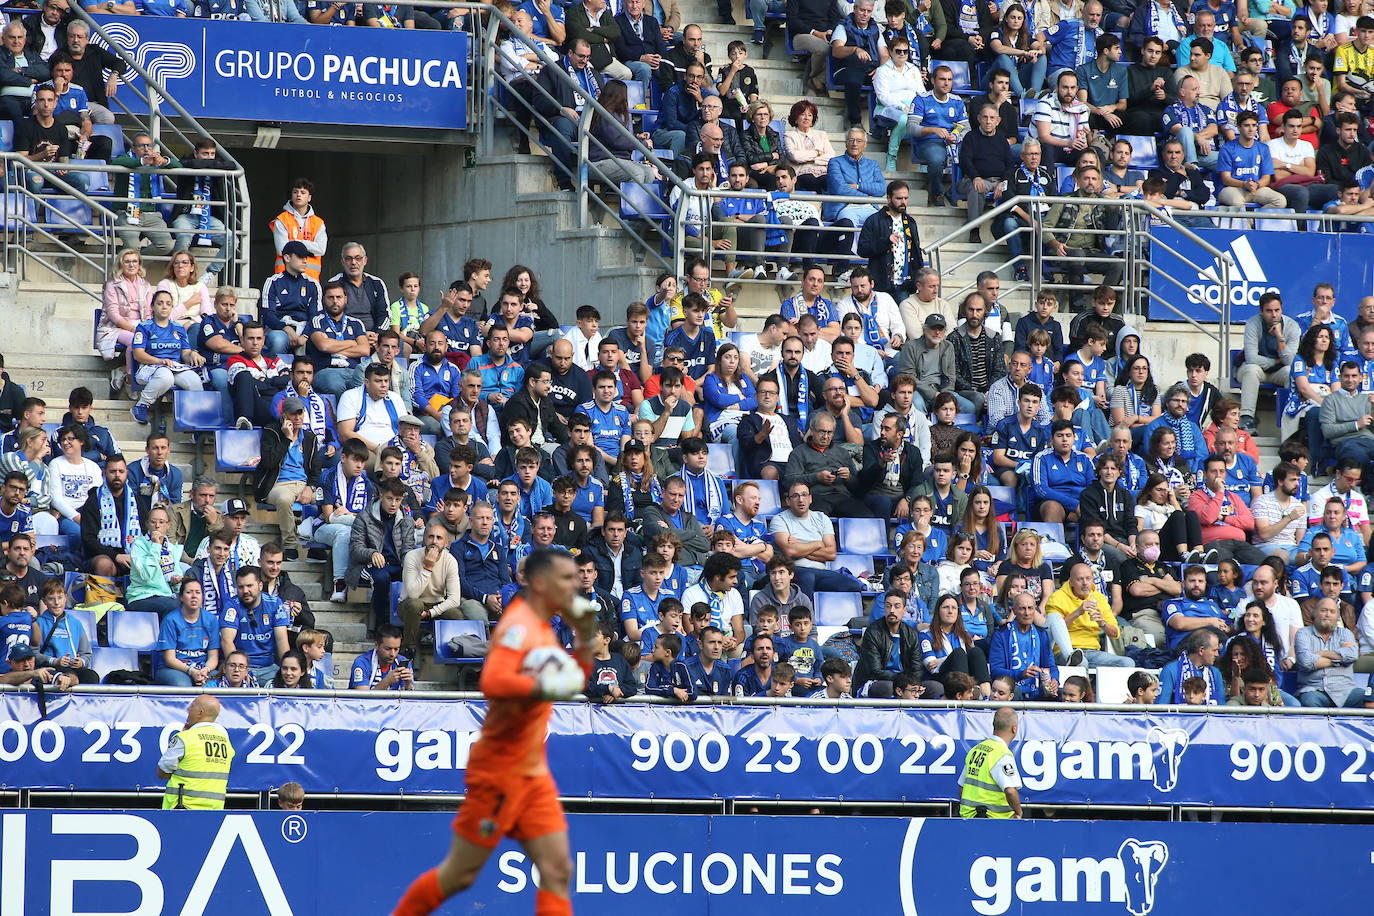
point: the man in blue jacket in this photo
(1059, 474)
(482, 567)
(855, 176)
(1025, 652)
(678, 110)
(1197, 658)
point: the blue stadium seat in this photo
(198, 411)
(99, 182)
(720, 459)
(770, 503)
(444, 630)
(7, 134)
(856, 564)
(636, 94)
(135, 630)
(836, 609)
(19, 209)
(104, 660)
(116, 135)
(235, 449)
(64, 214)
(1003, 499)
(864, 536)
(1143, 152)
(963, 83)
(968, 422)
(642, 201)
(87, 620)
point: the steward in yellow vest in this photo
(990, 785)
(196, 763)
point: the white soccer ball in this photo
(559, 676)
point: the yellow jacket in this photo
(1084, 632)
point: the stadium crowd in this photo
(1051, 503)
(1023, 498)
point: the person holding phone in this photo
(43, 140)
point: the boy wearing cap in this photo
(22, 668)
(290, 298)
(245, 551)
(288, 471)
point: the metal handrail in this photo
(238, 211)
(1134, 212)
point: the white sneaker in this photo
(340, 593)
(118, 376)
(210, 281)
(785, 275)
(244, 423)
(843, 279)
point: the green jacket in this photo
(143, 180)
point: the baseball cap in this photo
(935, 321)
(22, 651)
(235, 507)
(297, 248)
(292, 405)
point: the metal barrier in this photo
(45, 215)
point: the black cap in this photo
(297, 248)
(936, 321)
(236, 507)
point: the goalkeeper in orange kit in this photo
(509, 789)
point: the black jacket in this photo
(273, 452)
(186, 185)
(629, 46)
(560, 89)
(874, 467)
(33, 28)
(522, 405)
(875, 244)
(601, 37)
(1115, 510)
(876, 648)
(90, 524)
(35, 69)
(805, 16)
(630, 563)
(752, 455)
(1140, 86)
(90, 69)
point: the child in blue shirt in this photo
(16, 622)
(1042, 367)
(1228, 592)
(669, 621)
(668, 677)
(801, 650)
(62, 640)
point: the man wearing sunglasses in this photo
(148, 187)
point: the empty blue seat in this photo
(97, 182)
(856, 564)
(863, 535)
(104, 660)
(1143, 152)
(770, 503)
(237, 450)
(834, 609)
(198, 411)
(639, 201)
(444, 630)
(720, 459)
(87, 621)
(116, 135)
(135, 630)
(19, 210)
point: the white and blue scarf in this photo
(218, 590)
(629, 483)
(1187, 669)
(715, 492)
(352, 494)
(110, 533)
(201, 195)
(803, 395)
(586, 78)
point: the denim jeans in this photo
(1024, 74)
(183, 242)
(934, 152)
(1185, 136)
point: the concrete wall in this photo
(423, 211)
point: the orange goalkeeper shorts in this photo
(521, 808)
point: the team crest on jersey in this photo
(514, 638)
(486, 827)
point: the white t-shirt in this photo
(70, 484)
(1290, 156)
(376, 425)
(764, 359)
(725, 606)
(1268, 510)
(818, 360)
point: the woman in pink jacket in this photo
(126, 300)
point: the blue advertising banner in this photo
(260, 71)
(1289, 263)
(386, 746)
(327, 863)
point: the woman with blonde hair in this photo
(125, 299)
